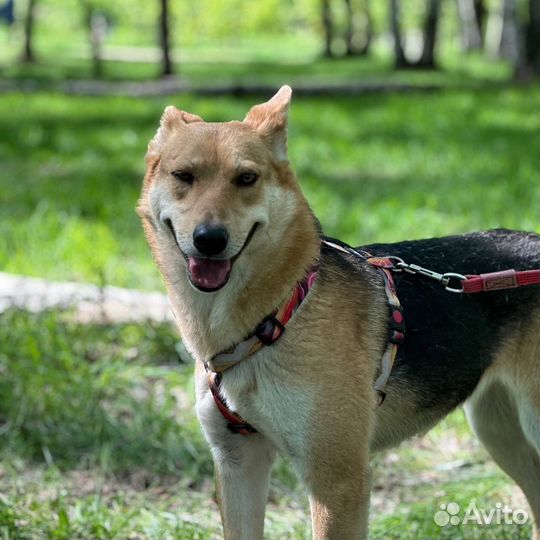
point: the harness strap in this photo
(235, 422)
(397, 325)
(397, 319)
(268, 331)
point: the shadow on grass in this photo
(353, 70)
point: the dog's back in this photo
(451, 339)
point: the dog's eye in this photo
(184, 176)
(246, 179)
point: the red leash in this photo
(469, 284)
(496, 281)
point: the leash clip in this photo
(452, 275)
(416, 269)
(444, 279)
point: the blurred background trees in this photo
(412, 34)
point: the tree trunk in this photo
(368, 29)
(96, 32)
(400, 60)
(509, 46)
(470, 30)
(492, 38)
(358, 36)
(532, 38)
(327, 27)
(28, 51)
(349, 28)
(164, 35)
(480, 13)
(427, 59)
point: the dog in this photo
(294, 372)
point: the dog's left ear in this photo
(270, 121)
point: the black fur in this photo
(452, 338)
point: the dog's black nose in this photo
(210, 239)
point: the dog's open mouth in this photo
(209, 275)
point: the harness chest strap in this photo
(273, 326)
(235, 422)
(267, 332)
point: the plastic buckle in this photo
(266, 329)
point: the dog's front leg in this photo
(339, 510)
(242, 468)
(335, 469)
(339, 506)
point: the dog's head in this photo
(212, 191)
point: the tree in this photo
(470, 28)
(513, 39)
(509, 46)
(164, 39)
(96, 25)
(431, 23)
(328, 27)
(430, 31)
(28, 50)
(480, 11)
(532, 37)
(349, 28)
(400, 60)
(353, 45)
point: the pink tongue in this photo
(209, 273)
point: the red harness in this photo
(267, 332)
(272, 327)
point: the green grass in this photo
(374, 168)
(99, 440)
(98, 437)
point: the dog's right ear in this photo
(171, 119)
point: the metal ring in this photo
(399, 263)
(451, 275)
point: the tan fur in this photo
(503, 411)
(323, 366)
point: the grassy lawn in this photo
(98, 437)
(99, 440)
(374, 168)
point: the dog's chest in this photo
(263, 393)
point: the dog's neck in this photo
(212, 322)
